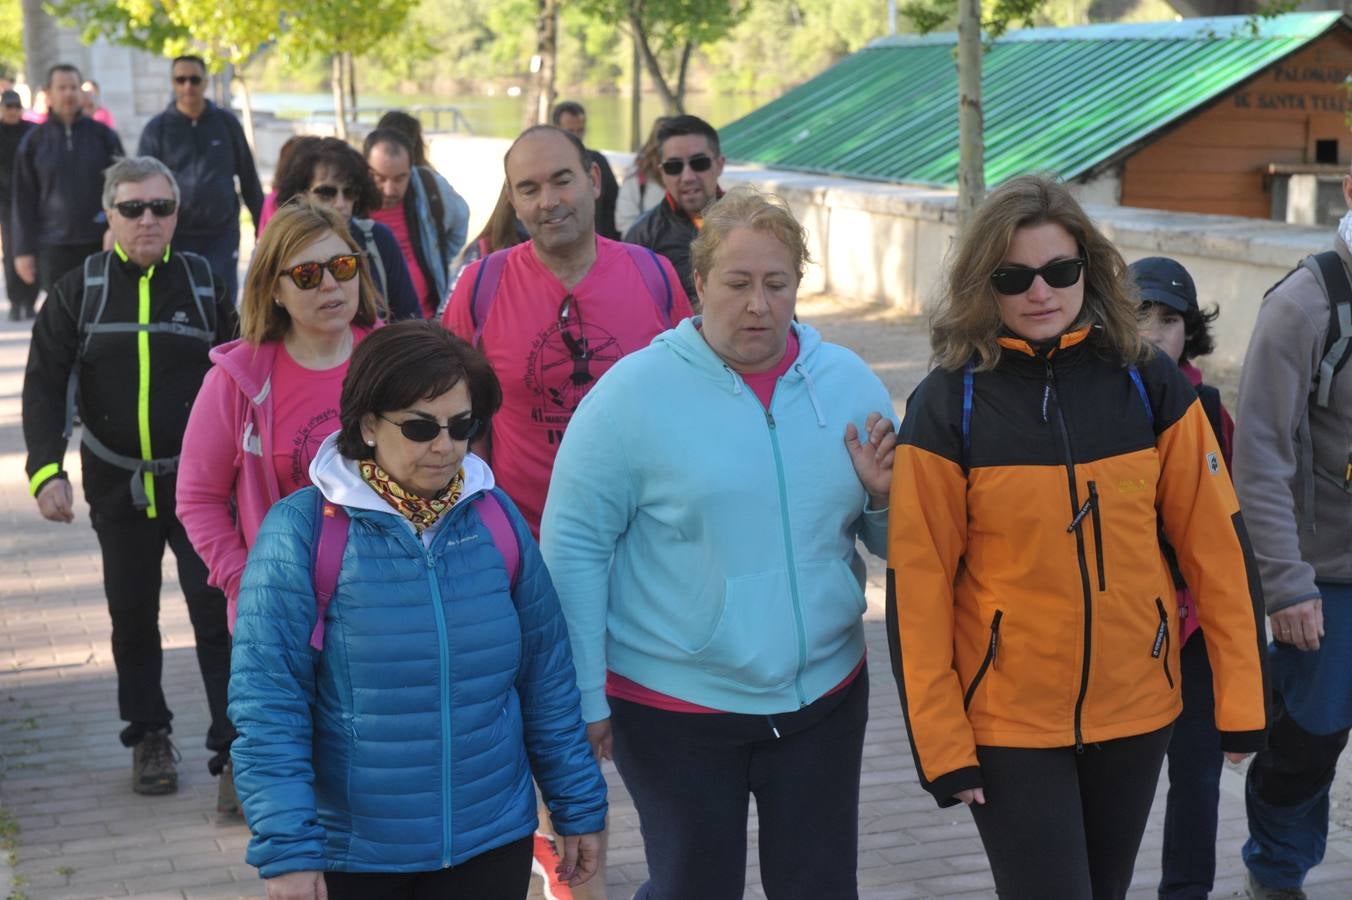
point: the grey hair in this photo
(133, 170)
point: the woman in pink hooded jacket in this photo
(272, 396)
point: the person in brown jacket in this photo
(1033, 620)
(1293, 473)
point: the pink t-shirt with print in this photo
(547, 365)
(304, 412)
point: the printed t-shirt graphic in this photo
(548, 353)
(304, 412)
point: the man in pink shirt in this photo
(553, 314)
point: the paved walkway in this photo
(83, 833)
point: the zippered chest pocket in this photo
(1090, 509)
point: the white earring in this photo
(370, 443)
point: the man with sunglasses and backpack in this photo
(204, 146)
(123, 338)
(691, 165)
(1293, 475)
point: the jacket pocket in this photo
(1098, 535)
(1160, 649)
(992, 649)
(755, 639)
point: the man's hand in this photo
(1301, 625)
(297, 886)
(581, 853)
(56, 501)
(27, 268)
(598, 735)
(972, 795)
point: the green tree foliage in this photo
(11, 36)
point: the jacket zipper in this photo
(1098, 535)
(443, 683)
(788, 554)
(991, 649)
(1049, 392)
(1161, 647)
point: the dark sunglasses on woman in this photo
(329, 192)
(700, 162)
(133, 209)
(421, 431)
(1061, 273)
(308, 275)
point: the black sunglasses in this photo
(422, 431)
(133, 209)
(188, 79)
(329, 192)
(308, 275)
(1061, 273)
(700, 162)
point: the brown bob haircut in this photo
(966, 322)
(396, 366)
(293, 228)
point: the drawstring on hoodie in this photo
(811, 394)
(773, 729)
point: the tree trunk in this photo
(549, 59)
(352, 84)
(669, 100)
(680, 76)
(636, 135)
(246, 107)
(971, 141)
(336, 82)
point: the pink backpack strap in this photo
(328, 559)
(500, 530)
(654, 278)
(485, 289)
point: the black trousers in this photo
(22, 295)
(55, 260)
(691, 776)
(1066, 824)
(499, 874)
(133, 548)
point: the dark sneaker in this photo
(1258, 891)
(227, 801)
(152, 764)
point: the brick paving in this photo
(83, 833)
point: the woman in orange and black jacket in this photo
(1031, 614)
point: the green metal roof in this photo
(1061, 100)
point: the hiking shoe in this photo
(152, 764)
(227, 801)
(1257, 891)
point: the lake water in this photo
(500, 115)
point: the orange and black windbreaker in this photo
(1028, 601)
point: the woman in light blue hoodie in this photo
(701, 529)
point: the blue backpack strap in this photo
(485, 289)
(494, 517)
(968, 376)
(1135, 374)
(331, 525)
(654, 278)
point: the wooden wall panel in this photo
(1214, 162)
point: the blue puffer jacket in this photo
(409, 742)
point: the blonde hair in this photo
(966, 322)
(293, 228)
(746, 207)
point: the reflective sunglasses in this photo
(329, 192)
(133, 209)
(1061, 273)
(308, 275)
(188, 79)
(423, 431)
(700, 162)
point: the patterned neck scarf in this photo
(423, 512)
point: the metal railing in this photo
(426, 113)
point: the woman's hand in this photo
(972, 795)
(872, 458)
(598, 735)
(297, 886)
(580, 855)
(1301, 625)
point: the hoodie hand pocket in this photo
(755, 640)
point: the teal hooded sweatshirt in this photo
(704, 546)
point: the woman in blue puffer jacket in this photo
(396, 759)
